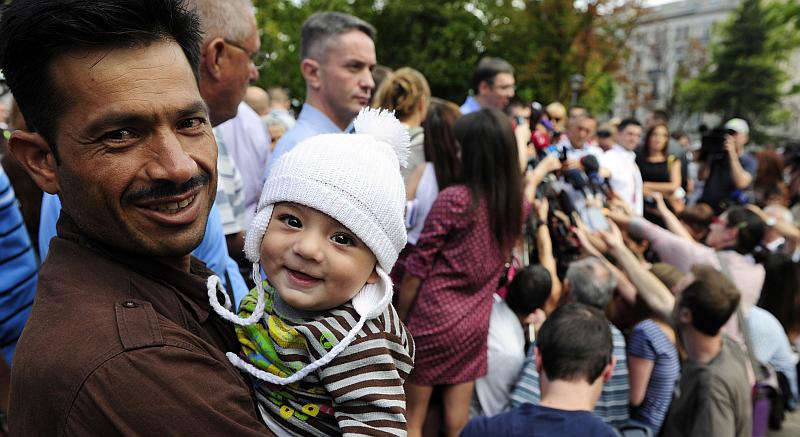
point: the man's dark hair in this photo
(322, 26)
(575, 344)
(628, 122)
(660, 116)
(35, 32)
(529, 289)
(711, 298)
(487, 69)
(751, 228)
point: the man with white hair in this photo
(590, 282)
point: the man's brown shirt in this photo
(118, 344)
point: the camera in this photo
(712, 145)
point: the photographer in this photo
(727, 171)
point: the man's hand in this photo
(613, 237)
(550, 163)
(730, 147)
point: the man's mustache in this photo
(168, 189)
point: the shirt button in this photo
(129, 304)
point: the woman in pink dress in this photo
(446, 295)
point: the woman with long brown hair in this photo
(446, 295)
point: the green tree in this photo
(546, 40)
(746, 74)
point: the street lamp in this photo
(575, 83)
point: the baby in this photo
(320, 333)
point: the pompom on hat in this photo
(353, 178)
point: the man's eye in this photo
(192, 123)
(291, 221)
(344, 239)
(118, 135)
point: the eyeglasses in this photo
(258, 59)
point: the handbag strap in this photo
(757, 371)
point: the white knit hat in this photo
(355, 179)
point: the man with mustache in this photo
(229, 50)
(121, 339)
(338, 56)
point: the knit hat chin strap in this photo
(258, 227)
(370, 302)
(214, 287)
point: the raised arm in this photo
(673, 223)
(544, 247)
(654, 293)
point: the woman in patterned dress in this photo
(452, 272)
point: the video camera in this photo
(712, 145)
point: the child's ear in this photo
(373, 277)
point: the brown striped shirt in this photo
(360, 392)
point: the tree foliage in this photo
(746, 74)
(546, 40)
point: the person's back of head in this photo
(278, 97)
(590, 282)
(379, 74)
(710, 298)
(441, 147)
(697, 218)
(406, 92)
(52, 29)
(575, 344)
(490, 168)
(320, 28)
(258, 99)
(529, 290)
(230, 19)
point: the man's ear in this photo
(484, 87)
(310, 69)
(684, 316)
(212, 54)
(609, 369)
(34, 154)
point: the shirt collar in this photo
(314, 117)
(190, 286)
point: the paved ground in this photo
(791, 426)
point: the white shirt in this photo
(248, 145)
(626, 179)
(577, 197)
(506, 355)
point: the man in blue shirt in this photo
(338, 55)
(18, 269)
(574, 357)
(492, 85)
(591, 283)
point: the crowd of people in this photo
(184, 252)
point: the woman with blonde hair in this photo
(406, 92)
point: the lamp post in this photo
(575, 83)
